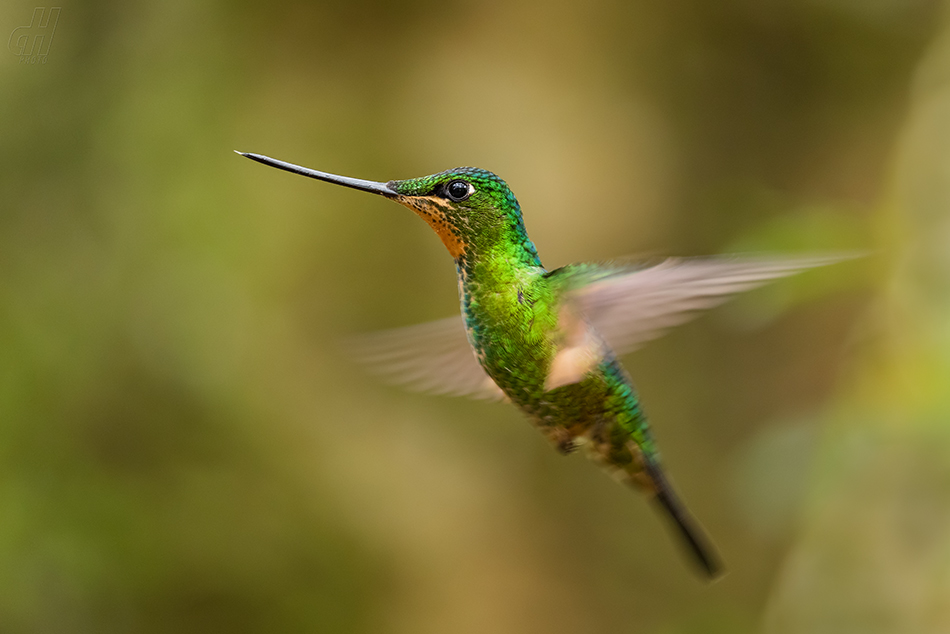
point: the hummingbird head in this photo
(470, 209)
(467, 207)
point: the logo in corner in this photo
(31, 43)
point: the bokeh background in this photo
(185, 446)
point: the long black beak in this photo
(356, 183)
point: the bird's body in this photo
(552, 364)
(548, 341)
(527, 332)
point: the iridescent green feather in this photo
(513, 310)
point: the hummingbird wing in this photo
(630, 305)
(627, 305)
(433, 357)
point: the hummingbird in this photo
(548, 341)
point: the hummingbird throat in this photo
(434, 210)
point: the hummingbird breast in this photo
(511, 322)
(550, 362)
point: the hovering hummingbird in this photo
(548, 341)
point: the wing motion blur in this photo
(628, 305)
(433, 357)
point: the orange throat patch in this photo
(433, 210)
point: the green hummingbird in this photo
(549, 341)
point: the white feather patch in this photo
(580, 352)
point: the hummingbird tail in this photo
(695, 537)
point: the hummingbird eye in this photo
(459, 190)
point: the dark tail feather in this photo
(694, 536)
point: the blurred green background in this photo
(184, 446)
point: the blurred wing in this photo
(631, 306)
(626, 305)
(433, 357)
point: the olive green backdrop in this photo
(185, 446)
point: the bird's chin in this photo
(435, 211)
